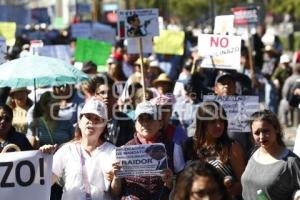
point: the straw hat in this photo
(20, 89)
(163, 77)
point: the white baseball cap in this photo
(146, 107)
(95, 106)
(284, 58)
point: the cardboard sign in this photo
(169, 42)
(224, 24)
(142, 160)
(238, 110)
(8, 31)
(245, 15)
(25, 175)
(81, 30)
(103, 33)
(133, 45)
(56, 51)
(93, 50)
(138, 23)
(220, 51)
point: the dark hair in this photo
(155, 148)
(8, 110)
(100, 79)
(45, 99)
(209, 111)
(271, 118)
(131, 18)
(191, 173)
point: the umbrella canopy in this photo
(38, 71)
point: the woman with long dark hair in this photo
(211, 144)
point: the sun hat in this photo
(146, 107)
(20, 89)
(163, 77)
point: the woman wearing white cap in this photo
(83, 162)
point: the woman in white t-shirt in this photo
(82, 163)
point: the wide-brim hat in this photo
(162, 78)
(145, 62)
(20, 89)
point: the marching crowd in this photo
(81, 125)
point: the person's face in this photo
(264, 134)
(214, 129)
(20, 98)
(166, 112)
(157, 154)
(225, 87)
(147, 127)
(205, 188)
(91, 125)
(5, 122)
(104, 93)
(136, 22)
(112, 69)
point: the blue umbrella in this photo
(39, 71)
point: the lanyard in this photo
(86, 185)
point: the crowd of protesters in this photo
(85, 123)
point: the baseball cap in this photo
(95, 106)
(146, 107)
(224, 75)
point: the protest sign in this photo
(81, 30)
(96, 51)
(25, 175)
(56, 51)
(220, 51)
(142, 160)
(103, 33)
(8, 31)
(224, 24)
(238, 110)
(138, 23)
(133, 45)
(2, 50)
(169, 42)
(244, 16)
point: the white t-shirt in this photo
(67, 164)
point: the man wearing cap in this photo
(225, 85)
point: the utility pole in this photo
(96, 15)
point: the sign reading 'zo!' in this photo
(25, 175)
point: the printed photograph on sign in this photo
(219, 51)
(138, 23)
(142, 160)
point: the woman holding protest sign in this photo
(148, 131)
(211, 144)
(83, 162)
